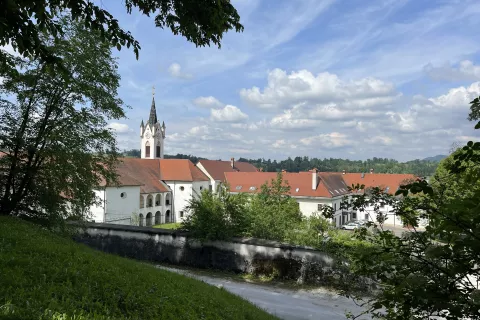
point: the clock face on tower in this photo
(147, 135)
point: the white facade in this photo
(310, 205)
(152, 141)
(182, 192)
(118, 204)
(214, 184)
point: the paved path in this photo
(286, 304)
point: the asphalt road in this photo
(285, 304)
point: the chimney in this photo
(284, 171)
(232, 162)
(343, 172)
(314, 179)
(371, 170)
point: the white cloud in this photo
(285, 89)
(175, 71)
(466, 71)
(228, 113)
(207, 102)
(119, 127)
(468, 138)
(283, 144)
(367, 42)
(458, 97)
(327, 140)
(380, 140)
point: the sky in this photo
(356, 80)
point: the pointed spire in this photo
(142, 125)
(153, 113)
(163, 124)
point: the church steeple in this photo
(152, 134)
(153, 112)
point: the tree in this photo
(272, 211)
(461, 185)
(53, 126)
(434, 272)
(24, 22)
(216, 216)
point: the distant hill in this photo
(436, 158)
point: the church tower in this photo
(152, 135)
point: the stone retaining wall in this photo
(241, 255)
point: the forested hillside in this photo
(379, 165)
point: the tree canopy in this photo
(430, 272)
(23, 23)
(53, 126)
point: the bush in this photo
(216, 216)
(272, 212)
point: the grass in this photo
(168, 226)
(45, 276)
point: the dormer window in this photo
(238, 187)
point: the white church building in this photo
(150, 190)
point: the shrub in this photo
(216, 216)
(273, 212)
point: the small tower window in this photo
(157, 152)
(182, 188)
(147, 150)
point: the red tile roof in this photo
(217, 168)
(330, 184)
(382, 180)
(180, 170)
(149, 173)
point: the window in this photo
(298, 189)
(354, 215)
(147, 150)
(123, 195)
(238, 187)
(210, 187)
(366, 216)
(182, 188)
(157, 152)
(253, 188)
(181, 214)
(201, 188)
(335, 206)
(320, 207)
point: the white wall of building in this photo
(96, 212)
(159, 212)
(182, 192)
(121, 203)
(214, 183)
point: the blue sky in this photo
(314, 78)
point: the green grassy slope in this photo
(168, 226)
(44, 276)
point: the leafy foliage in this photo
(268, 214)
(52, 127)
(24, 22)
(380, 165)
(272, 211)
(430, 272)
(44, 276)
(216, 216)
